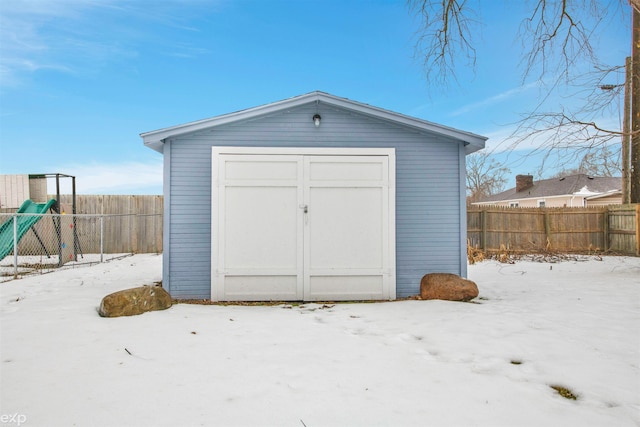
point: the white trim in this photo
(607, 194)
(392, 224)
(156, 139)
(305, 151)
(166, 222)
(495, 202)
(559, 196)
(462, 191)
(215, 222)
(216, 180)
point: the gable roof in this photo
(579, 184)
(155, 139)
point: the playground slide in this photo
(25, 222)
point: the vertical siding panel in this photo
(14, 190)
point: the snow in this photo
(405, 363)
(584, 191)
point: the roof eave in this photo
(155, 139)
(154, 144)
(476, 142)
(605, 194)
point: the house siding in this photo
(605, 201)
(550, 202)
(428, 183)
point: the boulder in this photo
(446, 286)
(130, 302)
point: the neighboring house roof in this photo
(580, 184)
(607, 194)
(155, 139)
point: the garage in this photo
(296, 224)
(311, 198)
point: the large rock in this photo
(448, 287)
(130, 302)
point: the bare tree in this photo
(445, 36)
(553, 35)
(485, 176)
(601, 162)
(556, 36)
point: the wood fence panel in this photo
(575, 230)
(474, 228)
(134, 224)
(131, 223)
(514, 229)
(624, 229)
(613, 228)
(149, 230)
(128, 224)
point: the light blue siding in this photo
(428, 190)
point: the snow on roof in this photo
(584, 191)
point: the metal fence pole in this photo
(15, 246)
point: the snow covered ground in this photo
(405, 363)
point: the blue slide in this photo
(25, 222)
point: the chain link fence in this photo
(39, 244)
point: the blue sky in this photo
(80, 79)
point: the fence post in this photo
(605, 229)
(134, 229)
(101, 237)
(637, 229)
(547, 229)
(483, 229)
(15, 246)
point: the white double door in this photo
(312, 226)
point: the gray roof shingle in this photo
(560, 186)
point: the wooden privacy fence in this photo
(130, 224)
(103, 228)
(607, 228)
(133, 224)
(106, 223)
(103, 224)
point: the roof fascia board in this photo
(554, 196)
(526, 199)
(607, 194)
(224, 119)
(468, 137)
(155, 139)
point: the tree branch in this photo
(444, 36)
(556, 37)
(555, 30)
